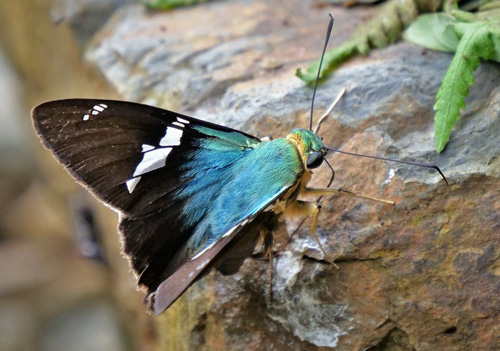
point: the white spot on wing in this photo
(178, 124)
(132, 183)
(182, 120)
(172, 137)
(202, 265)
(96, 109)
(152, 160)
(146, 147)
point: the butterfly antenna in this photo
(418, 164)
(331, 178)
(328, 33)
(333, 173)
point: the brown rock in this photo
(422, 275)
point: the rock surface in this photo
(422, 275)
(417, 276)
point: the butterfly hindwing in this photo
(184, 188)
(234, 246)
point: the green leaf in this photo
(475, 42)
(494, 29)
(381, 30)
(348, 3)
(433, 31)
(168, 4)
(331, 60)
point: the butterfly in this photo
(191, 195)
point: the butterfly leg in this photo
(268, 253)
(305, 208)
(330, 191)
(289, 240)
(271, 271)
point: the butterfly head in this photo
(310, 147)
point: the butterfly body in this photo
(191, 195)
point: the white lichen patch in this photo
(312, 321)
(297, 307)
(287, 268)
(390, 175)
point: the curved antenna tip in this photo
(328, 33)
(418, 164)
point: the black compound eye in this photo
(315, 159)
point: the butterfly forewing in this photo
(104, 143)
